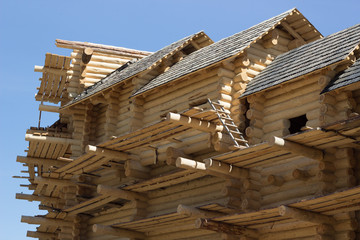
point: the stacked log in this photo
(344, 163)
(90, 67)
(123, 114)
(255, 114)
(290, 180)
(111, 114)
(80, 117)
(195, 193)
(183, 95)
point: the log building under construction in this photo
(255, 136)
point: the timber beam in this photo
(54, 181)
(195, 123)
(305, 216)
(189, 211)
(292, 32)
(123, 194)
(31, 137)
(45, 221)
(106, 152)
(226, 169)
(40, 161)
(297, 148)
(31, 198)
(49, 108)
(114, 231)
(207, 224)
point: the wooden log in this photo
(297, 148)
(31, 137)
(190, 164)
(189, 211)
(124, 194)
(201, 223)
(45, 221)
(225, 168)
(86, 55)
(194, 123)
(172, 154)
(99, 151)
(301, 174)
(31, 198)
(275, 180)
(108, 230)
(276, 125)
(306, 216)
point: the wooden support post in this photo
(106, 152)
(107, 230)
(225, 168)
(224, 227)
(306, 216)
(296, 148)
(123, 194)
(194, 123)
(195, 212)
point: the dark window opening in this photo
(297, 123)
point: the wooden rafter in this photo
(292, 32)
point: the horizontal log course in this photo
(108, 230)
(207, 224)
(194, 123)
(297, 148)
(306, 216)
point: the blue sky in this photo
(28, 30)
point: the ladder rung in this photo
(237, 132)
(230, 125)
(240, 140)
(227, 118)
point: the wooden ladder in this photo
(229, 124)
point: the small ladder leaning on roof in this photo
(229, 125)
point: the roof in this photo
(130, 70)
(306, 59)
(349, 76)
(214, 53)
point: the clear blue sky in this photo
(28, 30)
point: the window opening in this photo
(297, 123)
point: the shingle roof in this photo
(349, 76)
(130, 70)
(306, 59)
(214, 53)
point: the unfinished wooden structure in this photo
(255, 136)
